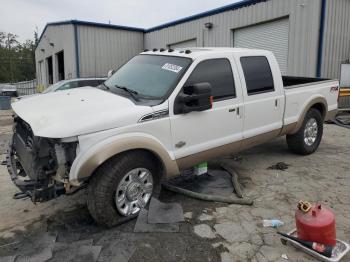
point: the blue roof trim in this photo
(229, 7)
(320, 39)
(78, 22)
(225, 8)
(76, 46)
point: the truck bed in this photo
(296, 81)
(300, 94)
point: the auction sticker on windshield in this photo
(171, 67)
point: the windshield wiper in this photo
(103, 85)
(107, 87)
(133, 93)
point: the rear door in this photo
(197, 132)
(263, 94)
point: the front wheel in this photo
(122, 186)
(309, 136)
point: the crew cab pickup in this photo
(162, 112)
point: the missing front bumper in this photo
(36, 190)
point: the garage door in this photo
(184, 44)
(272, 36)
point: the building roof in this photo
(86, 23)
(215, 11)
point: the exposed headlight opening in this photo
(39, 166)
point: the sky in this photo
(23, 17)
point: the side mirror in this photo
(110, 73)
(196, 97)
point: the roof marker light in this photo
(146, 50)
(188, 51)
(162, 50)
(155, 49)
(170, 50)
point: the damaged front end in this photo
(38, 166)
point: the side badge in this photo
(334, 89)
(180, 144)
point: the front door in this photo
(199, 132)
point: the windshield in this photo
(53, 87)
(149, 75)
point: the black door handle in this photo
(232, 110)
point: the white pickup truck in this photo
(162, 112)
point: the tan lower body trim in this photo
(191, 160)
(288, 129)
(294, 127)
(331, 114)
(126, 144)
(225, 150)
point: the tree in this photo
(36, 36)
(17, 61)
(2, 39)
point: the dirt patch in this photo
(279, 166)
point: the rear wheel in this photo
(309, 136)
(122, 186)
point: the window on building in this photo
(218, 73)
(258, 75)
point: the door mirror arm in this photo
(193, 98)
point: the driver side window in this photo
(218, 73)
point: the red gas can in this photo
(315, 224)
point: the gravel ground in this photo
(212, 231)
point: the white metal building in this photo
(308, 37)
(72, 49)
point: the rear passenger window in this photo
(218, 73)
(258, 75)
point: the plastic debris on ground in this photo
(275, 223)
(164, 213)
(215, 182)
(200, 169)
(142, 225)
(161, 217)
(284, 256)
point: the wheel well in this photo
(151, 155)
(321, 108)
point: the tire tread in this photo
(103, 183)
(296, 142)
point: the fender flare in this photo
(85, 164)
(317, 100)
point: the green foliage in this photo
(17, 61)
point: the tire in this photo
(309, 136)
(121, 179)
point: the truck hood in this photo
(77, 111)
